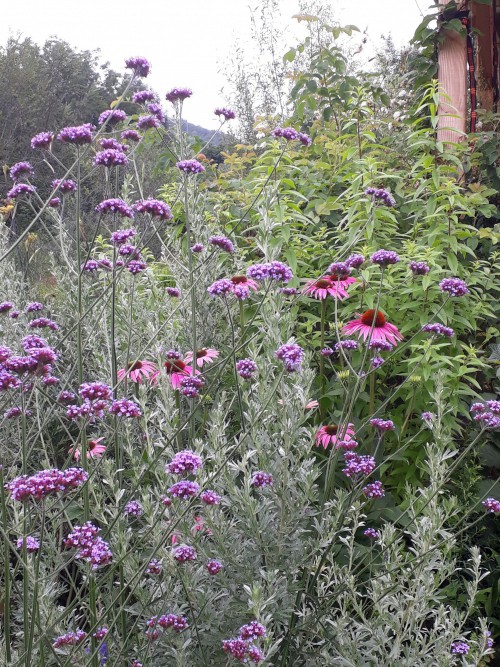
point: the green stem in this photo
(178, 406)
(321, 358)
(6, 573)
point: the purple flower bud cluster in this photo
(222, 242)
(197, 247)
(112, 116)
(131, 135)
(292, 356)
(43, 323)
(289, 291)
(382, 424)
(155, 110)
(438, 329)
(123, 407)
(110, 158)
(381, 195)
(174, 292)
(261, 478)
(209, 497)
(242, 647)
(32, 544)
(8, 381)
(177, 623)
(190, 166)
(454, 287)
(191, 386)
(13, 412)
(77, 135)
(213, 566)
(46, 483)
(374, 490)
(155, 208)
(272, 270)
(340, 269)
(112, 143)
(122, 235)
(220, 287)
(42, 140)
(460, 648)
(419, 268)
(139, 65)
(154, 567)
(358, 465)
(487, 414)
(355, 261)
(327, 352)
(133, 508)
(144, 96)
(66, 186)
(70, 639)
(115, 206)
(66, 396)
(91, 391)
(246, 368)
(184, 489)
(346, 345)
(20, 189)
(372, 533)
(184, 463)
(384, 257)
(427, 416)
(100, 633)
(129, 250)
(227, 114)
(90, 546)
(492, 505)
(288, 133)
(21, 170)
(148, 122)
(178, 95)
(5, 306)
(55, 202)
(184, 553)
(136, 266)
(381, 345)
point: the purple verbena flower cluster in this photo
(77, 135)
(112, 116)
(184, 489)
(222, 242)
(460, 648)
(70, 639)
(379, 194)
(454, 287)
(21, 170)
(155, 208)
(438, 329)
(382, 424)
(492, 505)
(419, 268)
(133, 508)
(184, 553)
(242, 647)
(190, 166)
(110, 158)
(32, 544)
(213, 566)
(178, 95)
(115, 206)
(209, 497)
(90, 546)
(21, 189)
(384, 257)
(261, 478)
(184, 463)
(227, 114)
(292, 356)
(42, 140)
(374, 490)
(123, 407)
(46, 483)
(372, 533)
(357, 464)
(246, 368)
(139, 65)
(191, 386)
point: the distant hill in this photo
(204, 134)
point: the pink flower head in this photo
(332, 285)
(138, 370)
(205, 355)
(94, 450)
(382, 329)
(176, 370)
(333, 434)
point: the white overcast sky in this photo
(187, 41)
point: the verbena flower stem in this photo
(6, 570)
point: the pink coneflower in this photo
(176, 370)
(94, 450)
(204, 356)
(243, 280)
(137, 370)
(331, 285)
(382, 329)
(331, 434)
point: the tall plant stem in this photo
(321, 357)
(192, 290)
(6, 572)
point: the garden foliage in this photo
(251, 417)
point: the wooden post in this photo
(482, 20)
(452, 76)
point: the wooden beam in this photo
(482, 20)
(452, 76)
